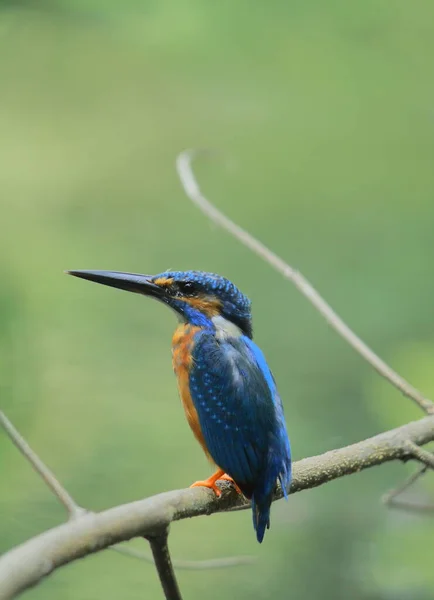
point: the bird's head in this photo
(200, 298)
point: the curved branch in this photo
(25, 565)
(191, 188)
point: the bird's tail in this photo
(262, 495)
(261, 514)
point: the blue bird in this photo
(227, 389)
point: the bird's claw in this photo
(211, 483)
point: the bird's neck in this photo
(197, 318)
(219, 326)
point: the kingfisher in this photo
(227, 389)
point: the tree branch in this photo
(25, 565)
(163, 562)
(191, 188)
(425, 457)
(74, 510)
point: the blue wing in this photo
(285, 448)
(239, 410)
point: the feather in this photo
(241, 417)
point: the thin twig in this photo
(391, 497)
(407, 483)
(425, 457)
(74, 510)
(191, 188)
(412, 507)
(163, 562)
(190, 565)
(27, 564)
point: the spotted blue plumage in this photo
(241, 418)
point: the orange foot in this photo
(211, 482)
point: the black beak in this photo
(131, 282)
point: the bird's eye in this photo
(186, 288)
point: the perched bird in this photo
(227, 389)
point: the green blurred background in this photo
(324, 113)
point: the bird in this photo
(227, 389)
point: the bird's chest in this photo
(182, 348)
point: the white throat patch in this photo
(225, 328)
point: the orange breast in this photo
(182, 347)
